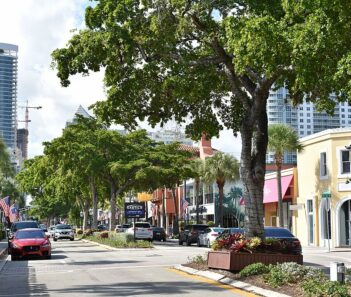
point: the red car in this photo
(30, 242)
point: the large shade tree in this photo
(213, 62)
(281, 138)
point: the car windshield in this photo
(63, 227)
(30, 234)
(158, 229)
(125, 226)
(277, 233)
(142, 225)
(23, 225)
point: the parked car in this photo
(102, 227)
(190, 233)
(273, 232)
(43, 227)
(122, 228)
(15, 226)
(159, 233)
(63, 231)
(208, 236)
(51, 231)
(143, 230)
(284, 234)
(27, 242)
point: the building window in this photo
(301, 120)
(323, 164)
(345, 162)
(310, 219)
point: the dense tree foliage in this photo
(213, 62)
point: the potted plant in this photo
(234, 252)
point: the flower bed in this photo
(234, 252)
(234, 261)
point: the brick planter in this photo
(228, 260)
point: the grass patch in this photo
(120, 240)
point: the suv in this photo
(122, 228)
(190, 234)
(63, 231)
(143, 230)
(15, 226)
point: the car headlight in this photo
(46, 245)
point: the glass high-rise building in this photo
(8, 94)
(304, 118)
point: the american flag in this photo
(185, 204)
(13, 213)
(5, 205)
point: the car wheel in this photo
(9, 250)
(180, 242)
(14, 258)
(55, 239)
(164, 239)
(188, 242)
(48, 257)
(71, 239)
(198, 243)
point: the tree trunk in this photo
(112, 206)
(254, 135)
(164, 209)
(85, 215)
(197, 187)
(175, 220)
(95, 202)
(220, 204)
(280, 196)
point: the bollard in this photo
(337, 272)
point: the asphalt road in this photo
(84, 269)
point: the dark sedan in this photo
(159, 234)
(282, 234)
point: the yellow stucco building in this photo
(322, 213)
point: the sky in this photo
(38, 27)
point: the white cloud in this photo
(38, 27)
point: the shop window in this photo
(323, 164)
(345, 162)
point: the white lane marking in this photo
(90, 268)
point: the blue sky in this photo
(38, 27)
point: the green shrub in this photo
(315, 287)
(210, 223)
(198, 259)
(254, 269)
(291, 272)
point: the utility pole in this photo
(26, 132)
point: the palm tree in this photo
(197, 171)
(281, 138)
(221, 168)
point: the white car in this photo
(51, 231)
(63, 231)
(143, 230)
(122, 228)
(208, 236)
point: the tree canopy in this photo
(213, 63)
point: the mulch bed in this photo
(292, 289)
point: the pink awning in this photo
(270, 190)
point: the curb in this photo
(228, 281)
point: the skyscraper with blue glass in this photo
(8, 94)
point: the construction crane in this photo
(26, 121)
